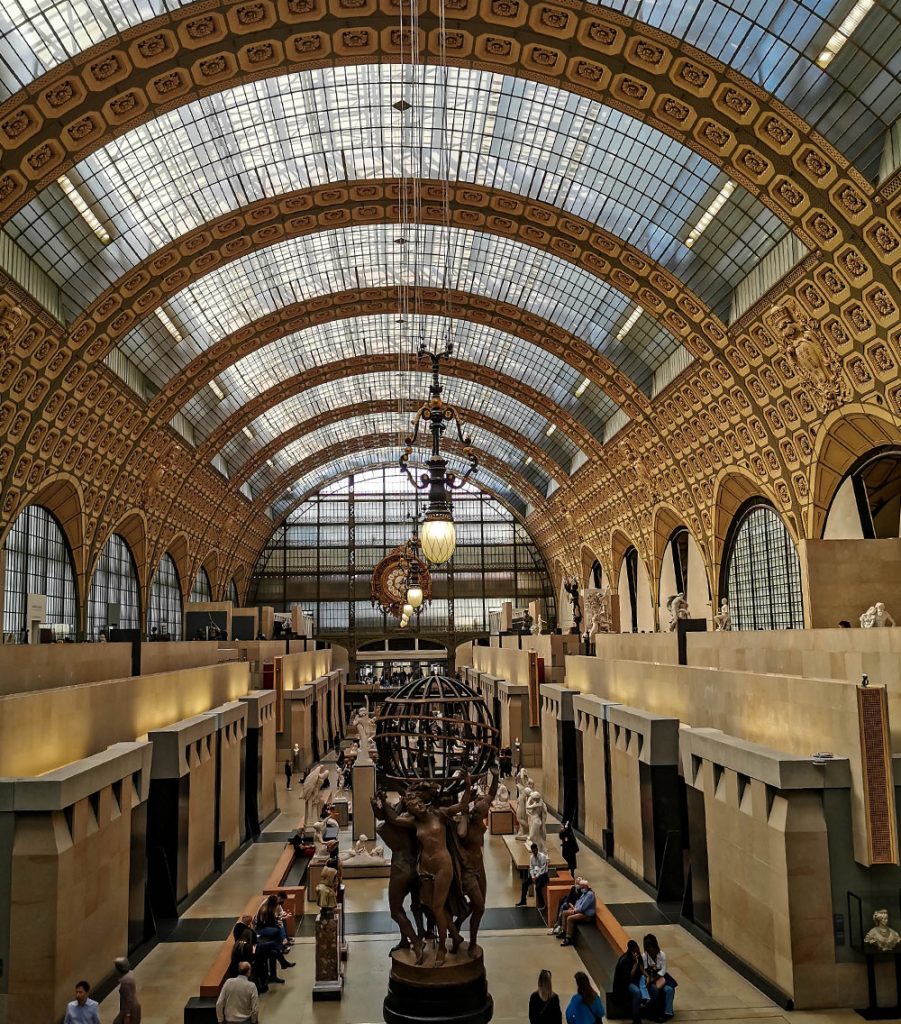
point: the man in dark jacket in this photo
(630, 986)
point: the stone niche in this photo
(260, 760)
(72, 845)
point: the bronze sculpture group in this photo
(436, 842)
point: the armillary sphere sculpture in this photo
(437, 747)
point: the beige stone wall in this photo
(69, 913)
(201, 812)
(268, 803)
(656, 647)
(26, 667)
(550, 781)
(305, 666)
(625, 783)
(840, 579)
(167, 657)
(298, 728)
(594, 783)
(509, 664)
(231, 812)
(36, 733)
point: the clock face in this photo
(389, 580)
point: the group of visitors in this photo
(260, 943)
(579, 904)
(84, 1010)
(585, 1007)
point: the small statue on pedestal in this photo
(327, 892)
(311, 794)
(502, 800)
(537, 812)
(538, 628)
(522, 814)
(677, 607)
(875, 617)
(723, 621)
(881, 935)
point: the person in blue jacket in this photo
(585, 1007)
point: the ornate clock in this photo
(390, 580)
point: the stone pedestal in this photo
(455, 992)
(329, 979)
(501, 821)
(342, 811)
(363, 789)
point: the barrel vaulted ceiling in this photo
(245, 168)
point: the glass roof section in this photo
(272, 136)
(356, 257)
(372, 424)
(382, 387)
(381, 334)
(387, 456)
(775, 43)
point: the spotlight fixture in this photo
(438, 535)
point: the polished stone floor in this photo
(515, 943)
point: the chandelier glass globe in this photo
(438, 538)
(414, 597)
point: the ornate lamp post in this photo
(438, 535)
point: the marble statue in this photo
(360, 852)
(502, 800)
(522, 814)
(677, 607)
(571, 586)
(311, 794)
(524, 779)
(598, 612)
(881, 935)
(723, 621)
(320, 852)
(537, 812)
(538, 628)
(808, 352)
(876, 616)
(365, 726)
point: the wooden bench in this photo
(287, 865)
(600, 945)
(215, 977)
(557, 889)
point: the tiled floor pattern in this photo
(515, 943)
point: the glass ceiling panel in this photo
(386, 423)
(228, 149)
(237, 294)
(380, 387)
(775, 43)
(376, 456)
(379, 335)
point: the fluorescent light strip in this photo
(217, 391)
(550, 430)
(87, 214)
(269, 463)
(580, 390)
(529, 461)
(629, 324)
(168, 323)
(844, 32)
(710, 213)
(248, 433)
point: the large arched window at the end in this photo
(164, 613)
(38, 561)
(232, 593)
(762, 573)
(201, 589)
(114, 597)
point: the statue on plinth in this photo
(882, 935)
(876, 616)
(723, 620)
(502, 798)
(571, 586)
(537, 812)
(598, 612)
(522, 815)
(677, 607)
(360, 852)
(404, 878)
(470, 836)
(538, 628)
(365, 727)
(311, 794)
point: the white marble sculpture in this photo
(538, 627)
(502, 798)
(524, 779)
(522, 814)
(537, 812)
(311, 794)
(881, 935)
(365, 727)
(876, 616)
(598, 612)
(320, 852)
(723, 621)
(677, 607)
(360, 853)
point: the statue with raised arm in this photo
(365, 726)
(470, 839)
(404, 878)
(311, 794)
(876, 616)
(677, 607)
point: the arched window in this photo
(678, 552)
(201, 590)
(38, 561)
(762, 572)
(233, 593)
(164, 613)
(631, 561)
(115, 582)
(596, 574)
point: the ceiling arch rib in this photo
(451, 368)
(646, 72)
(288, 446)
(496, 464)
(519, 491)
(338, 123)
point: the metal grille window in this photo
(38, 561)
(164, 614)
(115, 582)
(201, 590)
(233, 593)
(763, 574)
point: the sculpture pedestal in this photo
(454, 993)
(329, 979)
(363, 788)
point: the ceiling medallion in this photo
(391, 579)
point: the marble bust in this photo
(881, 935)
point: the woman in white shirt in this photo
(660, 984)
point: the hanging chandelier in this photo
(437, 535)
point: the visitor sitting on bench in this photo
(660, 982)
(630, 984)
(583, 910)
(538, 876)
(568, 901)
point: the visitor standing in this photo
(129, 1007)
(238, 1002)
(585, 1007)
(82, 1010)
(544, 1004)
(289, 771)
(568, 846)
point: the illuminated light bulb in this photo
(414, 597)
(438, 538)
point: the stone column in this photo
(259, 762)
(593, 754)
(559, 759)
(514, 701)
(231, 733)
(298, 725)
